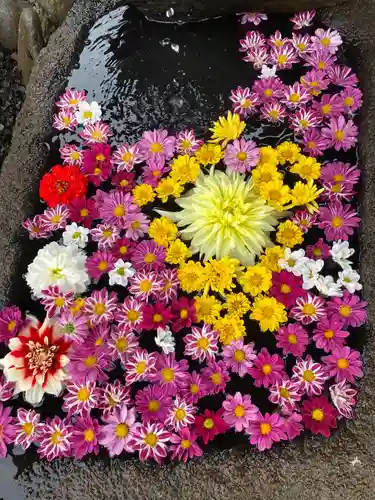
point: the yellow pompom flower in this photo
(237, 303)
(306, 194)
(269, 313)
(219, 274)
(288, 152)
(275, 193)
(207, 308)
(177, 253)
(268, 155)
(306, 167)
(185, 169)
(162, 231)
(230, 327)
(271, 257)
(209, 154)
(143, 194)
(191, 276)
(256, 279)
(227, 129)
(267, 172)
(289, 234)
(168, 187)
(224, 216)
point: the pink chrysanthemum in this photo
(245, 102)
(187, 143)
(338, 221)
(329, 335)
(55, 218)
(328, 39)
(97, 132)
(302, 43)
(284, 57)
(342, 76)
(6, 389)
(252, 40)
(184, 445)
(285, 393)
(101, 306)
(195, 389)
(292, 425)
(55, 437)
(340, 173)
(36, 228)
(169, 285)
(8, 430)
(310, 375)
(319, 250)
(85, 437)
(303, 19)
(315, 81)
(71, 98)
(153, 172)
(151, 441)
(309, 309)
(239, 357)
(343, 397)
(286, 288)
(138, 225)
(320, 59)
(273, 112)
(125, 181)
(129, 314)
(349, 309)
(210, 424)
(269, 89)
(180, 414)
(100, 263)
(65, 120)
(238, 411)
(119, 431)
(265, 430)
(123, 249)
(277, 39)
(217, 376)
(156, 145)
(258, 57)
(293, 339)
(145, 285)
(341, 134)
(319, 416)
(170, 374)
(117, 209)
(328, 106)
(83, 210)
(184, 314)
(11, 322)
(156, 316)
(304, 119)
(241, 156)
(121, 344)
(304, 220)
(201, 344)
(125, 157)
(153, 404)
(295, 96)
(88, 365)
(73, 326)
(148, 256)
(97, 164)
(267, 370)
(71, 155)
(314, 143)
(344, 364)
(253, 17)
(26, 428)
(139, 366)
(113, 397)
(80, 398)
(55, 301)
(105, 235)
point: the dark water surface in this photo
(156, 75)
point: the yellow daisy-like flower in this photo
(224, 216)
(256, 279)
(162, 231)
(177, 253)
(271, 257)
(143, 194)
(168, 187)
(269, 313)
(191, 276)
(288, 152)
(209, 154)
(219, 274)
(185, 169)
(230, 327)
(267, 172)
(306, 194)
(306, 167)
(237, 303)
(289, 234)
(275, 193)
(207, 308)
(268, 155)
(227, 129)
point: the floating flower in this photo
(309, 309)
(71, 98)
(71, 155)
(121, 344)
(244, 101)
(88, 363)
(55, 218)
(80, 398)
(153, 404)
(139, 366)
(165, 340)
(201, 344)
(187, 143)
(349, 279)
(82, 210)
(329, 335)
(344, 364)
(148, 256)
(269, 312)
(26, 428)
(62, 185)
(77, 235)
(327, 39)
(184, 314)
(216, 376)
(11, 322)
(151, 441)
(319, 416)
(184, 445)
(180, 415)
(237, 303)
(120, 273)
(125, 157)
(238, 411)
(239, 357)
(241, 156)
(338, 221)
(267, 370)
(177, 252)
(55, 301)
(273, 112)
(156, 146)
(37, 228)
(88, 113)
(100, 307)
(55, 438)
(292, 339)
(113, 397)
(285, 393)
(170, 374)
(118, 433)
(340, 253)
(343, 397)
(85, 437)
(117, 209)
(65, 120)
(210, 424)
(341, 134)
(265, 430)
(156, 316)
(6, 389)
(286, 288)
(292, 425)
(227, 129)
(97, 132)
(303, 19)
(253, 17)
(310, 375)
(289, 234)
(207, 308)
(304, 220)
(129, 314)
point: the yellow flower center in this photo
(268, 92)
(126, 157)
(203, 343)
(28, 428)
(309, 309)
(97, 171)
(180, 414)
(151, 439)
(337, 221)
(122, 430)
(345, 311)
(239, 355)
(342, 363)
(194, 389)
(167, 374)
(66, 120)
(294, 97)
(317, 415)
(326, 42)
(135, 224)
(348, 101)
(340, 135)
(284, 393)
(208, 423)
(267, 369)
(153, 406)
(90, 361)
(339, 178)
(336, 188)
(83, 394)
(309, 376)
(311, 144)
(56, 218)
(328, 334)
(145, 286)
(304, 123)
(97, 135)
(184, 313)
(282, 59)
(301, 46)
(265, 428)
(140, 367)
(100, 157)
(84, 212)
(87, 115)
(122, 344)
(274, 114)
(239, 411)
(59, 302)
(107, 233)
(89, 435)
(292, 339)
(119, 211)
(157, 318)
(156, 147)
(185, 444)
(285, 288)
(216, 378)
(242, 156)
(56, 437)
(100, 309)
(149, 258)
(326, 108)
(12, 325)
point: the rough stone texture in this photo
(10, 11)
(30, 41)
(340, 468)
(56, 9)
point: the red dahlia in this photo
(62, 185)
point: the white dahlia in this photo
(223, 215)
(58, 265)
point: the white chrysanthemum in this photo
(328, 287)
(341, 252)
(120, 274)
(311, 274)
(164, 339)
(294, 261)
(78, 235)
(58, 265)
(350, 280)
(224, 216)
(88, 113)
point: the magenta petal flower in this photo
(71, 99)
(341, 134)
(74, 326)
(101, 306)
(238, 411)
(117, 433)
(338, 172)
(88, 365)
(11, 322)
(121, 344)
(314, 143)
(293, 339)
(239, 357)
(153, 403)
(140, 365)
(26, 428)
(201, 344)
(80, 398)
(292, 425)
(328, 106)
(265, 430)
(180, 414)
(184, 445)
(285, 393)
(267, 369)
(328, 334)
(216, 376)
(245, 102)
(241, 156)
(55, 437)
(319, 416)
(151, 442)
(169, 373)
(343, 397)
(156, 146)
(269, 89)
(8, 430)
(303, 19)
(349, 309)
(6, 389)
(310, 375)
(344, 364)
(55, 301)
(148, 256)
(342, 75)
(113, 397)
(195, 389)
(338, 221)
(117, 208)
(85, 437)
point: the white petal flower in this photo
(78, 235)
(267, 72)
(164, 339)
(350, 280)
(341, 252)
(328, 287)
(294, 262)
(311, 272)
(58, 265)
(88, 113)
(121, 272)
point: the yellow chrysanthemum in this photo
(207, 308)
(237, 303)
(267, 172)
(230, 327)
(256, 279)
(168, 187)
(289, 234)
(288, 152)
(219, 274)
(209, 154)
(177, 253)
(185, 169)
(271, 257)
(306, 194)
(227, 129)
(306, 167)
(162, 231)
(143, 194)
(224, 216)
(191, 276)
(269, 313)
(268, 155)
(275, 193)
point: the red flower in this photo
(84, 211)
(286, 288)
(210, 424)
(184, 314)
(155, 316)
(62, 185)
(319, 416)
